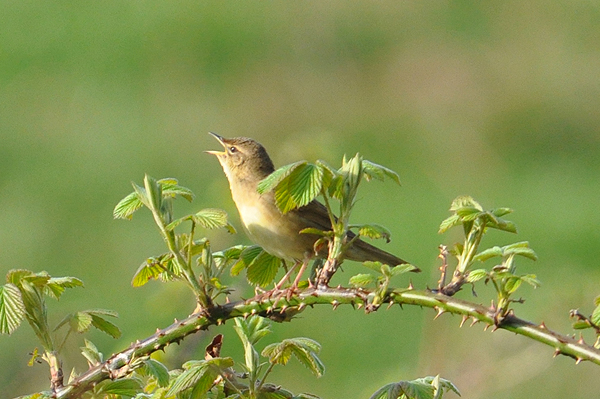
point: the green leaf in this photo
(105, 326)
(151, 269)
(246, 257)
(379, 172)
(304, 349)
(448, 223)
(128, 387)
(12, 309)
(512, 284)
(531, 280)
(171, 188)
(596, 316)
(465, 201)
(373, 265)
(127, 206)
(153, 193)
(263, 269)
(91, 353)
(499, 212)
(317, 232)
(299, 187)
(374, 231)
(254, 328)
(57, 285)
(476, 275)
(211, 218)
(522, 249)
(401, 269)
(489, 253)
(581, 325)
(271, 181)
(156, 370)
(362, 280)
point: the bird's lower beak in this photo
(220, 139)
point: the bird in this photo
(246, 163)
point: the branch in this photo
(281, 309)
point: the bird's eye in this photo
(232, 149)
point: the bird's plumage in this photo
(245, 163)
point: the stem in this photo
(265, 376)
(122, 363)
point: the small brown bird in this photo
(246, 163)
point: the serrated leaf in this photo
(596, 316)
(448, 223)
(299, 187)
(512, 284)
(531, 280)
(57, 285)
(468, 213)
(373, 265)
(379, 172)
(581, 325)
(499, 212)
(374, 231)
(318, 232)
(127, 206)
(489, 253)
(150, 269)
(271, 181)
(521, 249)
(157, 370)
(170, 187)
(504, 225)
(362, 280)
(245, 259)
(476, 275)
(125, 387)
(80, 321)
(91, 353)
(263, 269)
(401, 269)
(211, 218)
(105, 326)
(465, 201)
(12, 308)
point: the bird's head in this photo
(243, 159)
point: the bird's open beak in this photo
(221, 140)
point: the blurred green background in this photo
(498, 100)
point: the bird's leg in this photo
(287, 275)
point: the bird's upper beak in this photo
(221, 140)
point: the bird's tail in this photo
(362, 251)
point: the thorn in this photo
(401, 307)
(270, 309)
(411, 286)
(301, 306)
(495, 328)
(157, 330)
(198, 327)
(464, 319)
(226, 299)
(581, 341)
(283, 308)
(157, 347)
(339, 287)
(219, 322)
(486, 327)
(543, 326)
(245, 315)
(176, 321)
(335, 304)
(578, 360)
(475, 321)
(359, 305)
(390, 305)
(440, 311)
(253, 311)
(556, 352)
